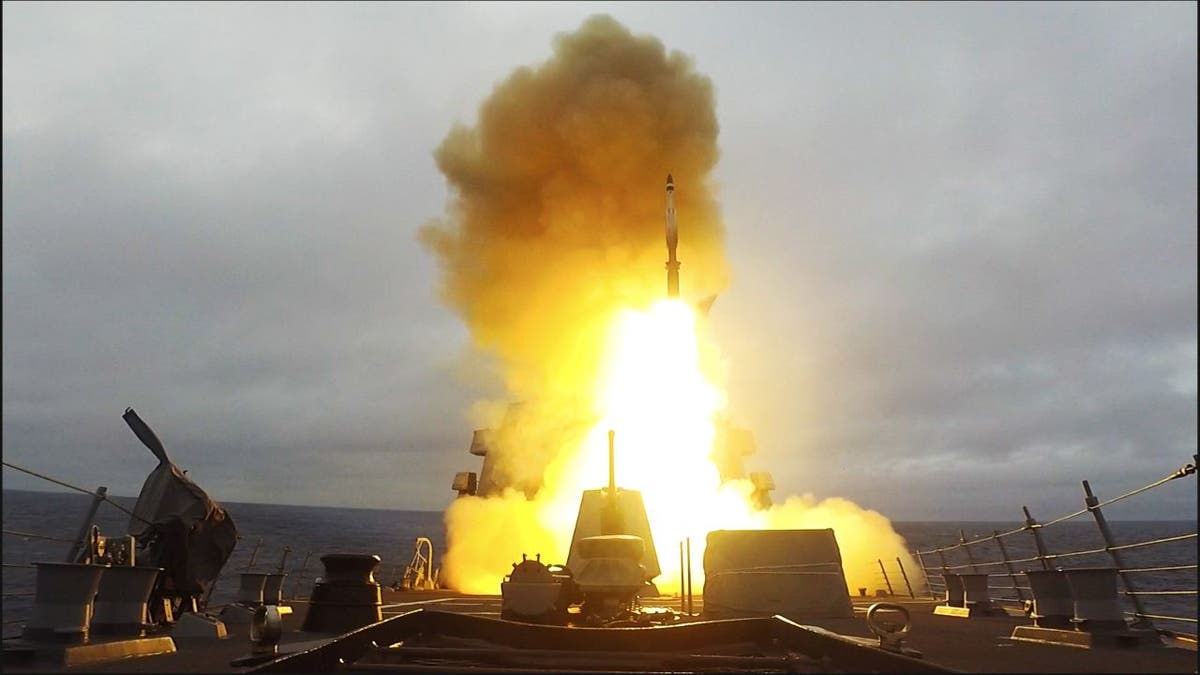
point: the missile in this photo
(672, 241)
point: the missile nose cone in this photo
(670, 182)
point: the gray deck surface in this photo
(970, 645)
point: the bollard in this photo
(346, 596)
(63, 602)
(120, 606)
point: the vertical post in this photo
(924, 571)
(905, 575)
(283, 558)
(962, 540)
(296, 577)
(1032, 526)
(208, 594)
(1012, 573)
(82, 537)
(885, 576)
(689, 575)
(1093, 505)
(945, 570)
(682, 581)
(253, 555)
(213, 586)
(612, 472)
(396, 578)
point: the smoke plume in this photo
(554, 229)
(556, 219)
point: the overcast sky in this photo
(963, 241)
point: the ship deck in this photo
(977, 644)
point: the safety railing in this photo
(894, 579)
(19, 574)
(1157, 569)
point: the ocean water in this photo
(310, 532)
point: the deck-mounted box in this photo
(1052, 603)
(967, 596)
(796, 573)
(273, 589)
(1089, 615)
(120, 606)
(63, 601)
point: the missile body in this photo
(672, 241)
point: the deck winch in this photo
(537, 593)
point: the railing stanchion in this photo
(682, 581)
(253, 555)
(1092, 503)
(77, 548)
(905, 575)
(1032, 526)
(688, 540)
(925, 572)
(1012, 573)
(208, 594)
(962, 539)
(945, 569)
(885, 576)
(296, 577)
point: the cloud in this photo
(958, 237)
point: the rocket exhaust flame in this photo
(549, 252)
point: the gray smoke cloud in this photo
(961, 242)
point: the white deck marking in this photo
(418, 602)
